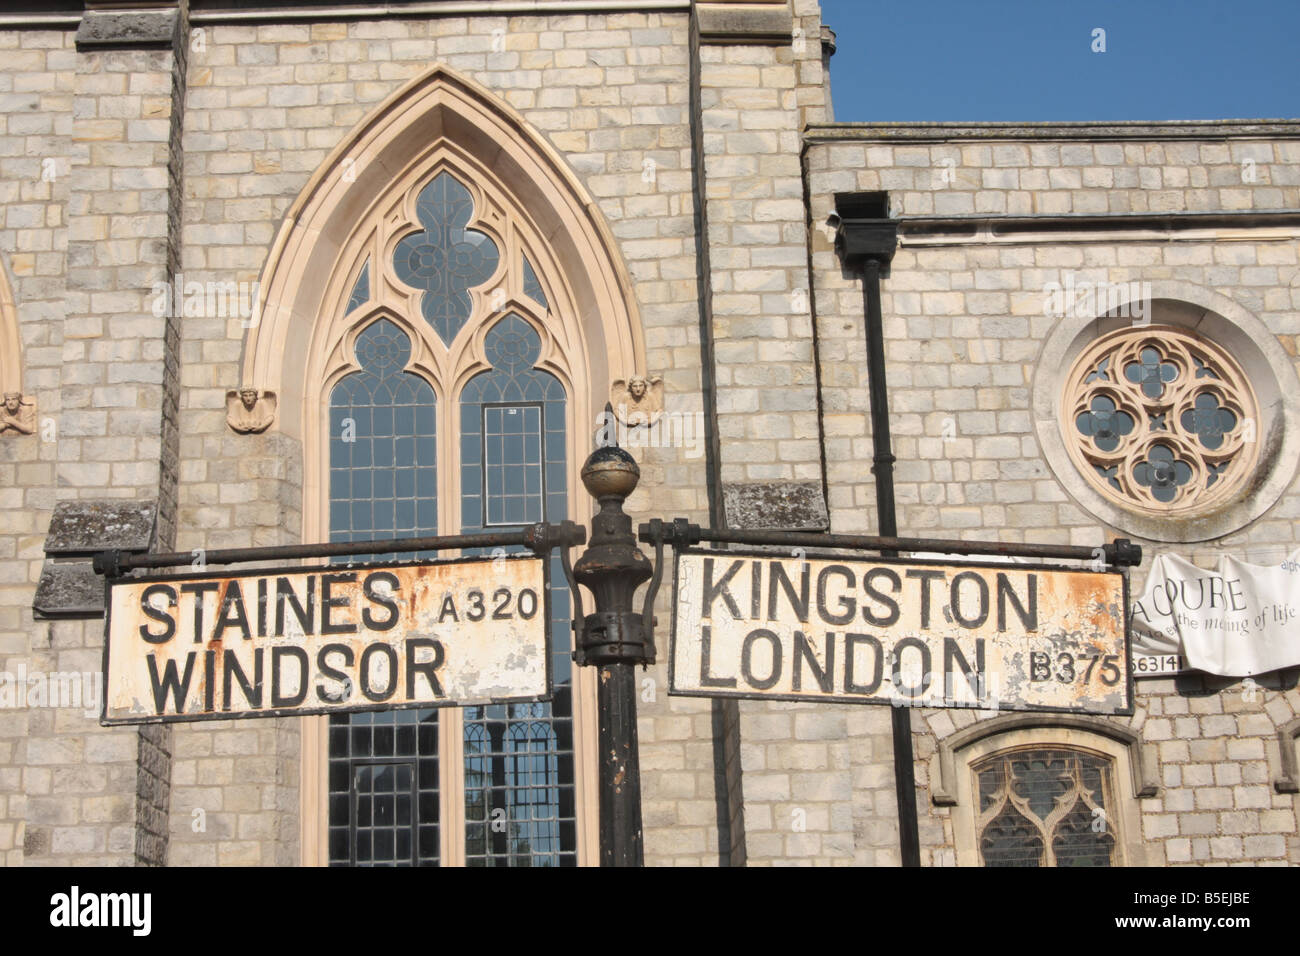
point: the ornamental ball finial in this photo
(610, 471)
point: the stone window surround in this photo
(354, 209)
(960, 751)
(1237, 331)
(1288, 742)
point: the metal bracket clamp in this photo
(678, 534)
(1123, 553)
(108, 563)
(543, 537)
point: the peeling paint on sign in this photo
(853, 630)
(328, 639)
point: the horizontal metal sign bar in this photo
(1119, 553)
(541, 538)
(1002, 636)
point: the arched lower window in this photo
(1044, 790)
(1045, 806)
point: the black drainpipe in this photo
(866, 240)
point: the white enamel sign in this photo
(327, 639)
(1013, 637)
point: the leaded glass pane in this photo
(445, 259)
(533, 288)
(383, 780)
(360, 290)
(383, 767)
(520, 794)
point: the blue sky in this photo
(1031, 60)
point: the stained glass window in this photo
(520, 795)
(445, 259)
(383, 767)
(533, 288)
(1046, 807)
(1161, 419)
(360, 290)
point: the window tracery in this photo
(1161, 419)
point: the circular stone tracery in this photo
(1160, 419)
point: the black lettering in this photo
(1040, 666)
(383, 600)
(327, 601)
(952, 655)
(719, 590)
(448, 608)
(277, 654)
(847, 605)
(1182, 594)
(1155, 600)
(369, 692)
(925, 577)
(171, 683)
(232, 612)
(803, 651)
(198, 589)
(1028, 617)
(755, 589)
(798, 602)
(1216, 590)
(926, 676)
(428, 668)
(746, 658)
(706, 649)
(501, 612)
(851, 641)
(1234, 592)
(261, 607)
(306, 616)
(869, 585)
(209, 680)
(230, 666)
(158, 614)
(333, 673)
(954, 599)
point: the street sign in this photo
(908, 633)
(327, 639)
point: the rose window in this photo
(1159, 418)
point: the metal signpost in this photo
(746, 623)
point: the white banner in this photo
(1238, 621)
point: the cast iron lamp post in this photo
(614, 639)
